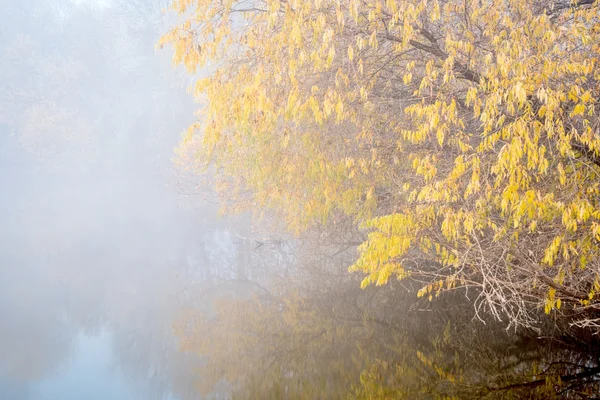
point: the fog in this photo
(96, 229)
(120, 279)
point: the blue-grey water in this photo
(89, 373)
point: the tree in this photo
(462, 135)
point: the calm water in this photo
(89, 373)
(89, 290)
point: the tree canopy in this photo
(461, 136)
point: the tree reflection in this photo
(330, 339)
(33, 339)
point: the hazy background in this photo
(99, 249)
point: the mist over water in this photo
(95, 233)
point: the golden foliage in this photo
(462, 134)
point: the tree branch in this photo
(561, 5)
(433, 49)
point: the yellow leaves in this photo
(424, 291)
(595, 229)
(373, 42)
(586, 97)
(562, 176)
(475, 141)
(387, 271)
(542, 96)
(450, 227)
(474, 184)
(339, 110)
(353, 8)
(520, 93)
(579, 109)
(330, 57)
(549, 37)
(296, 36)
(459, 168)
(382, 247)
(550, 302)
(291, 103)
(425, 167)
(350, 53)
(440, 136)
(316, 109)
(181, 6)
(436, 287)
(363, 93)
(435, 12)
(339, 17)
(471, 96)
(434, 121)
(552, 250)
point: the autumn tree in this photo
(461, 135)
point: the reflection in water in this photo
(88, 302)
(311, 332)
(90, 374)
